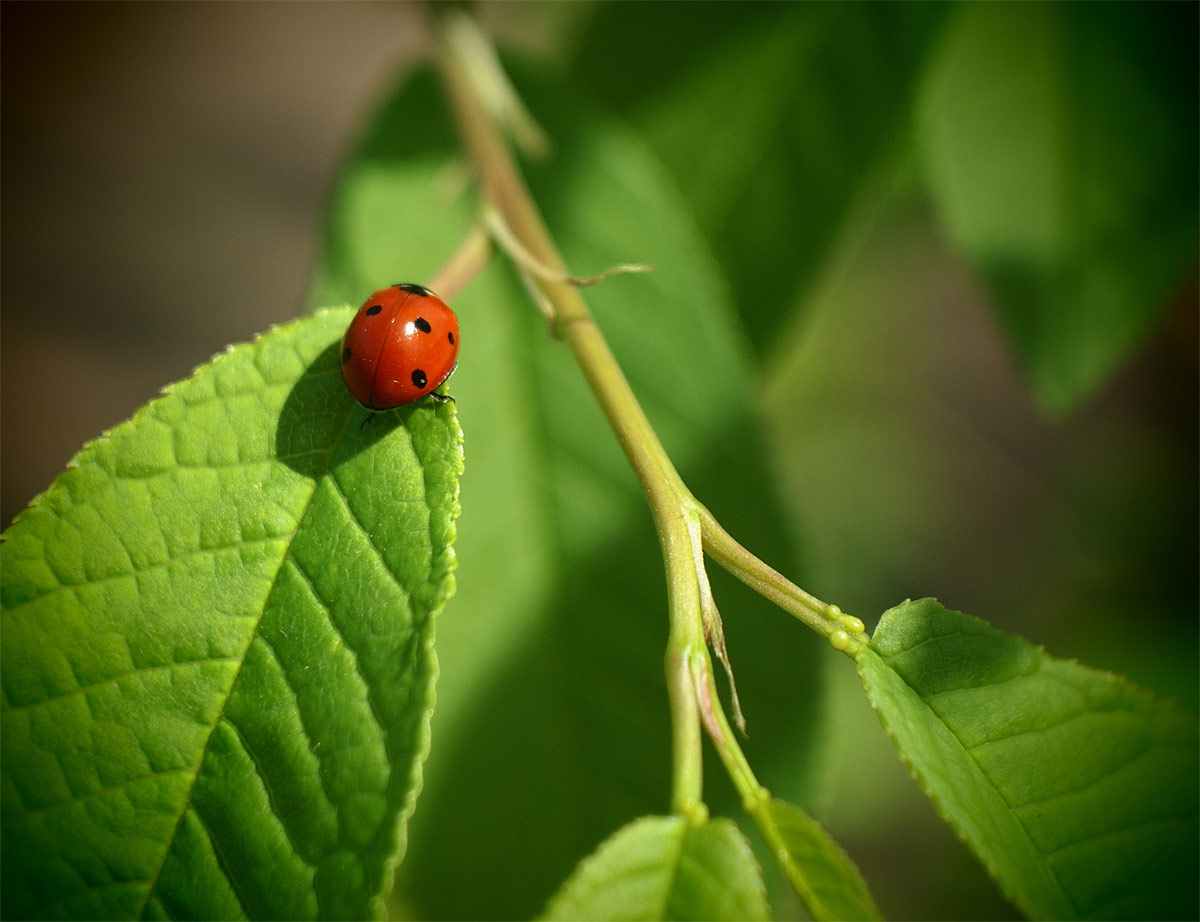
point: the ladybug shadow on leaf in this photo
(321, 425)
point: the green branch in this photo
(686, 530)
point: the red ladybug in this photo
(400, 346)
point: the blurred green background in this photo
(166, 169)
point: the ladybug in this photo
(400, 346)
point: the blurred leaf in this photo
(217, 661)
(1061, 148)
(1076, 789)
(663, 867)
(821, 872)
(403, 184)
(552, 725)
(773, 118)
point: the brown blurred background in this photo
(165, 171)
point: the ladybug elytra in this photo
(401, 345)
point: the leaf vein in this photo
(117, 677)
(93, 795)
(222, 860)
(366, 684)
(932, 638)
(313, 747)
(98, 888)
(1030, 731)
(272, 797)
(204, 751)
(230, 466)
(1140, 824)
(984, 686)
(1095, 781)
(337, 489)
(190, 555)
(1066, 894)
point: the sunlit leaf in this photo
(665, 868)
(218, 647)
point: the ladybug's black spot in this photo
(450, 336)
(413, 289)
(422, 324)
(374, 309)
(418, 378)
(345, 355)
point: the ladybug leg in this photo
(442, 398)
(366, 419)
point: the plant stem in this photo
(685, 642)
(463, 265)
(721, 734)
(771, 584)
(685, 528)
(504, 190)
(756, 799)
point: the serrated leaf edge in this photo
(1005, 888)
(442, 572)
(165, 391)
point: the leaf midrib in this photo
(186, 800)
(1049, 868)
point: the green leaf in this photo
(552, 725)
(398, 211)
(1061, 144)
(664, 867)
(218, 657)
(1076, 789)
(820, 871)
(775, 120)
